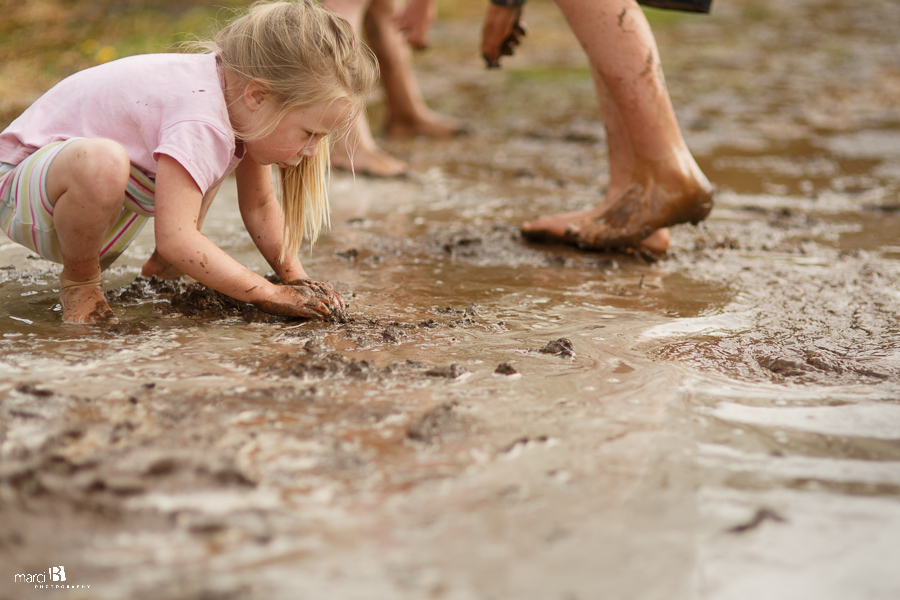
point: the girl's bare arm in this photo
(178, 241)
(264, 220)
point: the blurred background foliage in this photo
(43, 41)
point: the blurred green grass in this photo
(43, 41)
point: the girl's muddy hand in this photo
(295, 301)
(323, 290)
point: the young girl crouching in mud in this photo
(83, 168)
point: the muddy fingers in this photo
(304, 298)
(323, 290)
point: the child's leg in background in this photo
(360, 146)
(409, 115)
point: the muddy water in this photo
(500, 419)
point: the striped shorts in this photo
(26, 214)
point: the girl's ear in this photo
(255, 95)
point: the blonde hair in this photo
(302, 55)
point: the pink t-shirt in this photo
(152, 104)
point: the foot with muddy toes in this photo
(638, 217)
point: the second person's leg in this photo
(409, 115)
(664, 184)
(358, 150)
(622, 163)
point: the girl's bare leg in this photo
(657, 183)
(86, 186)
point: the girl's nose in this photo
(309, 151)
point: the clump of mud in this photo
(187, 299)
(451, 371)
(561, 347)
(195, 300)
(315, 360)
(506, 369)
(440, 423)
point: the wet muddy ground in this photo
(498, 419)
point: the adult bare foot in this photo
(430, 124)
(638, 212)
(83, 302)
(555, 228)
(157, 265)
(372, 162)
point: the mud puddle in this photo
(498, 419)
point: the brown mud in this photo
(497, 418)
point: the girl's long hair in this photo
(304, 199)
(302, 55)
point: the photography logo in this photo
(54, 578)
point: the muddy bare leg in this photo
(654, 180)
(86, 186)
(622, 163)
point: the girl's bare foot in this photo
(372, 162)
(429, 124)
(157, 265)
(83, 302)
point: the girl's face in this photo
(298, 134)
